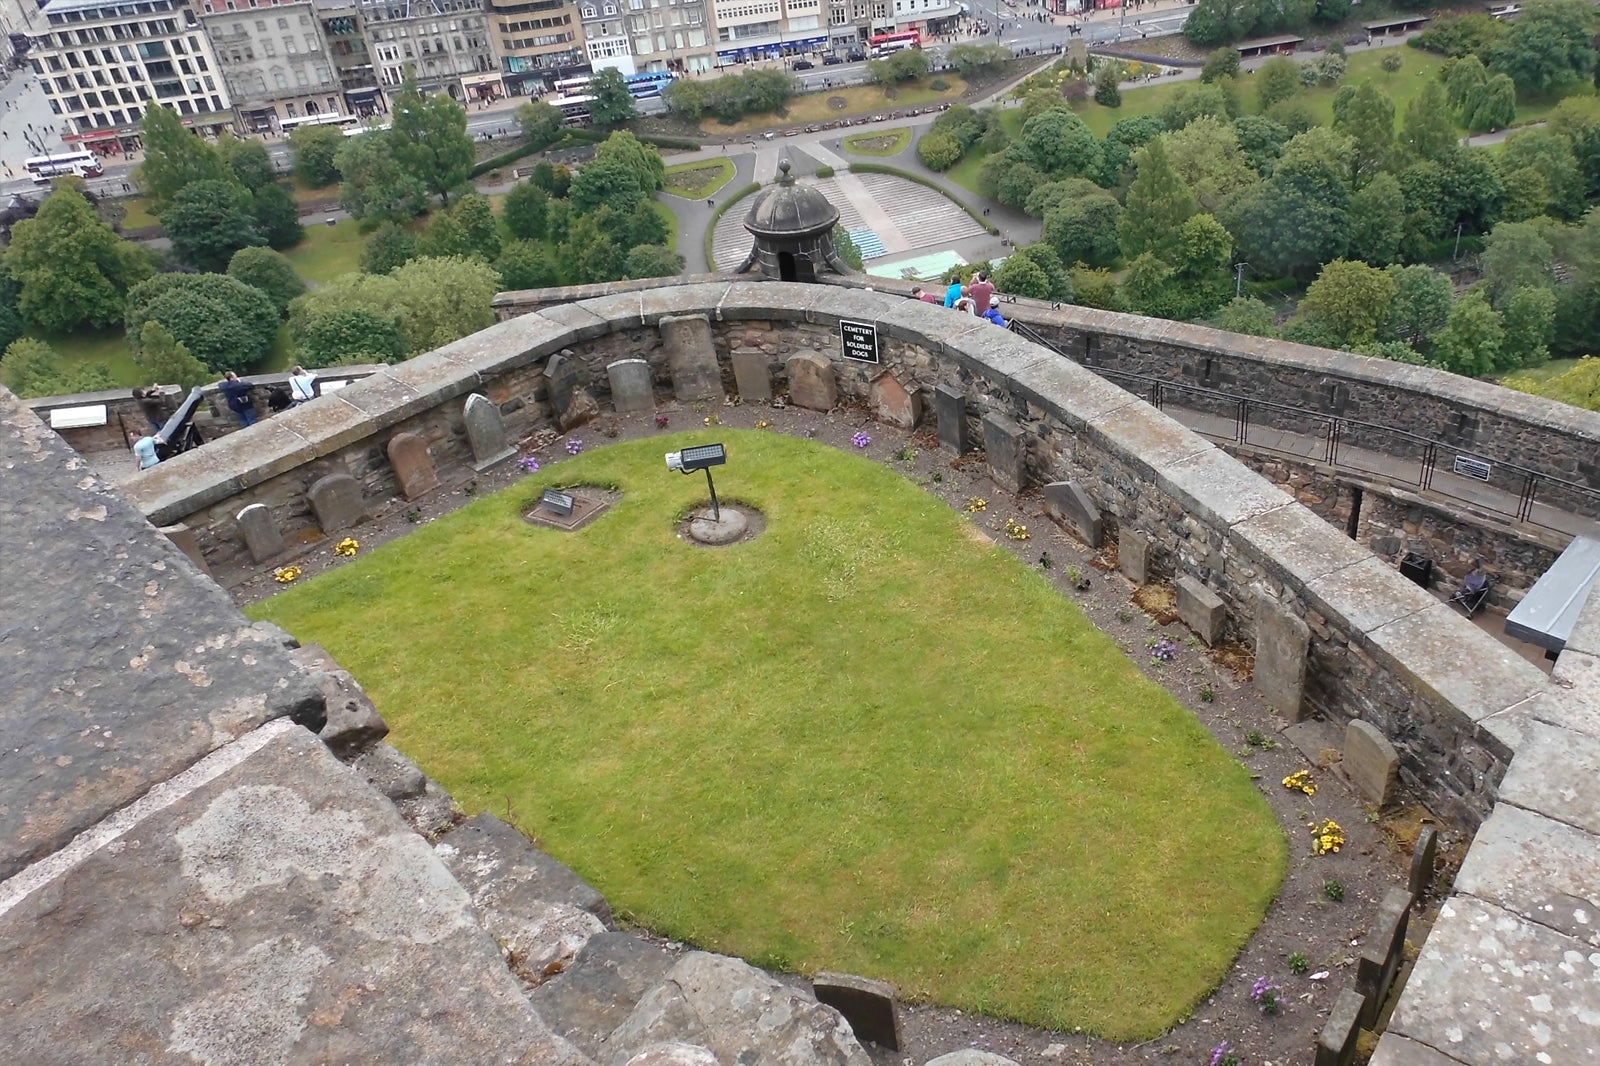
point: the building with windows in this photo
(102, 64)
(538, 42)
(19, 18)
(926, 16)
(751, 30)
(342, 28)
(273, 58)
(676, 35)
(605, 43)
(444, 44)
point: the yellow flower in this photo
(347, 547)
(765, 423)
(285, 574)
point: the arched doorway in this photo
(786, 267)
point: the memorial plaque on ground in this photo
(859, 340)
(560, 503)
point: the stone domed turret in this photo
(793, 230)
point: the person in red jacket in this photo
(981, 291)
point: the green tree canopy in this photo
(590, 253)
(524, 265)
(524, 211)
(223, 322)
(277, 216)
(269, 271)
(1465, 77)
(972, 59)
(1427, 132)
(435, 301)
(174, 157)
(1277, 80)
(161, 358)
(1579, 386)
(1107, 86)
(375, 185)
(1529, 318)
(1246, 314)
(1058, 144)
(652, 261)
(642, 160)
(1261, 140)
(1548, 154)
(1158, 203)
(906, 65)
(542, 122)
(686, 97)
(389, 246)
(429, 138)
(1471, 339)
(314, 149)
(1308, 185)
(1365, 114)
(1548, 47)
(1207, 157)
(1221, 63)
(938, 151)
(1214, 22)
(1422, 299)
(1034, 271)
(1351, 300)
(605, 181)
(208, 221)
(348, 336)
(248, 161)
(613, 104)
(31, 368)
(1378, 221)
(1516, 255)
(70, 268)
(1084, 229)
(1491, 106)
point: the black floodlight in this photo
(701, 457)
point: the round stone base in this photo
(703, 529)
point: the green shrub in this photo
(824, 172)
(938, 85)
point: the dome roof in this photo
(789, 210)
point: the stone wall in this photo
(1382, 650)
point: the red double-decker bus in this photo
(887, 44)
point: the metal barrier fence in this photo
(1391, 455)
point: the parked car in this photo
(804, 64)
(813, 129)
(791, 133)
(831, 61)
(856, 56)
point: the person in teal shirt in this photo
(144, 449)
(953, 293)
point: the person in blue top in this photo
(237, 394)
(993, 313)
(144, 449)
(953, 293)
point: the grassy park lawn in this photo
(696, 181)
(884, 142)
(86, 347)
(867, 741)
(857, 99)
(328, 251)
(670, 217)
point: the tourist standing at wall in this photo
(302, 383)
(237, 393)
(981, 292)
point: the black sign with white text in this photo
(859, 340)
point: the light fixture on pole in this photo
(701, 457)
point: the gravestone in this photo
(752, 376)
(691, 357)
(1336, 1043)
(1133, 554)
(261, 535)
(571, 402)
(336, 501)
(950, 404)
(1201, 609)
(632, 391)
(868, 1005)
(1382, 954)
(486, 432)
(1282, 641)
(1370, 761)
(413, 466)
(1004, 442)
(1067, 503)
(185, 540)
(812, 383)
(1423, 858)
(894, 404)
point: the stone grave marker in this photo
(752, 376)
(1370, 761)
(691, 357)
(1005, 444)
(486, 432)
(1423, 859)
(1382, 954)
(1133, 554)
(1336, 1043)
(632, 390)
(1201, 609)
(868, 1005)
(1282, 641)
(894, 404)
(1067, 503)
(261, 534)
(185, 540)
(812, 383)
(413, 466)
(950, 403)
(336, 501)
(571, 402)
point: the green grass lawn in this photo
(1540, 374)
(88, 346)
(696, 181)
(858, 99)
(883, 142)
(867, 741)
(328, 251)
(670, 217)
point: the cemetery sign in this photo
(859, 340)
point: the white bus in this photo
(331, 118)
(83, 164)
(575, 110)
(356, 131)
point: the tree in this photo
(313, 149)
(1095, 288)
(1221, 63)
(1107, 91)
(1352, 301)
(1308, 185)
(1529, 318)
(1549, 155)
(31, 368)
(652, 261)
(1034, 271)
(1516, 255)
(1158, 203)
(1491, 106)
(1427, 132)
(1246, 314)
(1146, 287)
(429, 138)
(1058, 144)
(906, 65)
(846, 248)
(70, 268)
(277, 216)
(174, 158)
(542, 123)
(524, 265)
(639, 224)
(1215, 22)
(1548, 47)
(686, 97)
(1202, 276)
(269, 271)
(1084, 229)
(1124, 138)
(603, 182)
(1261, 140)
(1471, 339)
(554, 178)
(524, 211)
(613, 103)
(1579, 386)
(1466, 77)
(1365, 115)
(349, 337)
(161, 358)
(1207, 157)
(1190, 101)
(1277, 80)
(444, 237)
(223, 322)
(976, 59)
(938, 151)
(248, 161)
(1392, 63)
(1377, 221)
(390, 247)
(208, 221)
(1422, 299)
(375, 186)
(590, 253)
(478, 223)
(435, 301)
(1282, 15)
(1577, 118)
(642, 160)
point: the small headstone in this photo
(185, 540)
(950, 403)
(812, 383)
(336, 501)
(1336, 1043)
(1067, 503)
(868, 1005)
(752, 376)
(894, 404)
(557, 502)
(1005, 444)
(1133, 554)
(971, 1057)
(413, 466)
(1382, 954)
(1423, 858)
(1201, 609)
(486, 432)
(569, 399)
(261, 535)
(1282, 643)
(1370, 761)
(691, 357)
(632, 390)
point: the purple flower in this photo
(529, 464)
(661, 421)
(861, 440)
(574, 445)
(1266, 994)
(1222, 1054)
(1165, 650)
